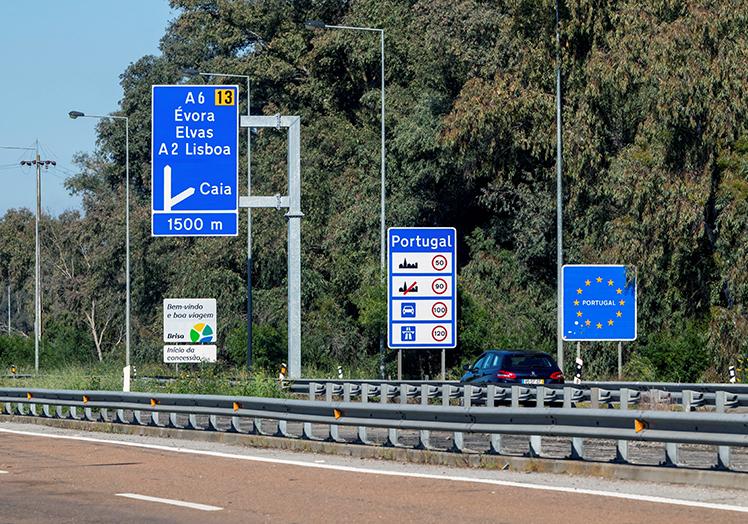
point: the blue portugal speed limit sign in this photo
(421, 282)
(194, 160)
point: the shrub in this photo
(678, 355)
(269, 347)
(17, 350)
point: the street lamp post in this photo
(559, 201)
(318, 24)
(250, 315)
(78, 114)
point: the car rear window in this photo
(479, 363)
(527, 362)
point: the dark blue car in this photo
(513, 367)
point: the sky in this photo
(57, 56)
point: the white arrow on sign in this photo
(170, 201)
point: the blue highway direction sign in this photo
(421, 284)
(599, 302)
(194, 160)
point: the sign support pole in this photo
(294, 215)
(294, 248)
(399, 364)
(444, 367)
(620, 359)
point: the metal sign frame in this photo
(294, 215)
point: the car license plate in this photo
(532, 381)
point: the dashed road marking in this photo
(172, 502)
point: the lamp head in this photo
(75, 114)
(315, 24)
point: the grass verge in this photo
(206, 380)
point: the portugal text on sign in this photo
(599, 302)
(421, 288)
(194, 159)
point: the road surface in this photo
(66, 476)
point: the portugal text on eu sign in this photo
(194, 159)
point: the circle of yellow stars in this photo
(621, 302)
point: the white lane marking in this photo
(3, 472)
(181, 503)
(428, 476)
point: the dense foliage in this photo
(656, 175)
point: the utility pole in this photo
(38, 163)
(8, 309)
(37, 264)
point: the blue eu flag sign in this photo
(599, 302)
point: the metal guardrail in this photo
(596, 393)
(224, 413)
(690, 396)
(641, 386)
(666, 391)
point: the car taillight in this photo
(557, 375)
(506, 374)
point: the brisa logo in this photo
(201, 333)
